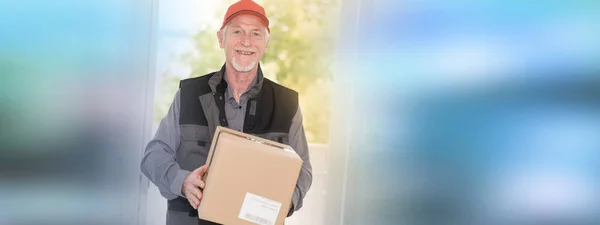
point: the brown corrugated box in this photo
(250, 180)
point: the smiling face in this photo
(245, 40)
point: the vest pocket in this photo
(194, 146)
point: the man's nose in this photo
(246, 40)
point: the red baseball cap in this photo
(246, 7)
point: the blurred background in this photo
(417, 112)
(467, 112)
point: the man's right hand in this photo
(193, 185)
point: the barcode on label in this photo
(257, 219)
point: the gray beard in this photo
(239, 68)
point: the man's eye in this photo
(257, 34)
(236, 32)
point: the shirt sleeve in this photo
(158, 163)
(299, 144)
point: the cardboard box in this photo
(250, 180)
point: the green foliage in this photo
(299, 56)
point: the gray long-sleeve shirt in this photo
(160, 166)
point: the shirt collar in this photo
(229, 92)
(252, 92)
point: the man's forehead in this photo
(246, 21)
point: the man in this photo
(239, 97)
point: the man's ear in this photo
(220, 37)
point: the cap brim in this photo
(262, 18)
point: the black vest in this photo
(271, 110)
(268, 115)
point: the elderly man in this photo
(239, 97)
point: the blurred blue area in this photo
(461, 42)
(73, 81)
(475, 112)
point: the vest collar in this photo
(219, 78)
